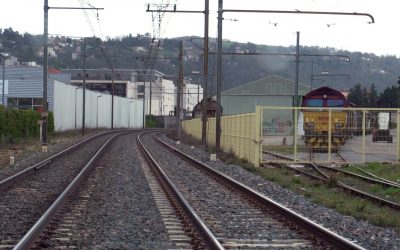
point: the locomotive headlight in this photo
(309, 124)
(338, 125)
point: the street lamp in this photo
(97, 111)
(129, 114)
(4, 57)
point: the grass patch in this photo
(387, 171)
(328, 195)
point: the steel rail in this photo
(30, 237)
(395, 184)
(45, 162)
(305, 173)
(378, 180)
(342, 185)
(312, 227)
(377, 177)
(211, 240)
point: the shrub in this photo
(16, 123)
(151, 121)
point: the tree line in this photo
(362, 97)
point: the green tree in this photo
(355, 95)
(390, 97)
(373, 97)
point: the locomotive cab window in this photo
(315, 103)
(335, 103)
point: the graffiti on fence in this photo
(277, 127)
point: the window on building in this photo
(119, 87)
(37, 104)
(140, 89)
(12, 102)
(140, 96)
(79, 75)
(37, 101)
(25, 103)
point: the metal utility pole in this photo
(150, 94)
(112, 97)
(4, 80)
(144, 100)
(205, 78)
(84, 87)
(179, 94)
(129, 114)
(205, 71)
(198, 93)
(312, 73)
(75, 106)
(296, 87)
(45, 66)
(219, 80)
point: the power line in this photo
(87, 17)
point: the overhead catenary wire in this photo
(87, 17)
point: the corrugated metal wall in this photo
(268, 91)
(68, 109)
(27, 82)
(240, 134)
(245, 104)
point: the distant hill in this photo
(133, 52)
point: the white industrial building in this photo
(160, 93)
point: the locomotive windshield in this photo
(315, 103)
(335, 103)
(325, 103)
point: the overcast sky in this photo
(123, 17)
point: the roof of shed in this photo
(270, 85)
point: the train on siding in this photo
(344, 124)
(316, 121)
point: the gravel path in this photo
(365, 234)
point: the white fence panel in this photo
(68, 109)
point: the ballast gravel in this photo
(359, 231)
(121, 212)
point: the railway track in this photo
(235, 215)
(324, 177)
(371, 178)
(30, 198)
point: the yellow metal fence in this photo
(322, 135)
(240, 134)
(330, 135)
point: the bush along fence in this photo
(16, 123)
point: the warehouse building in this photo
(23, 87)
(269, 91)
